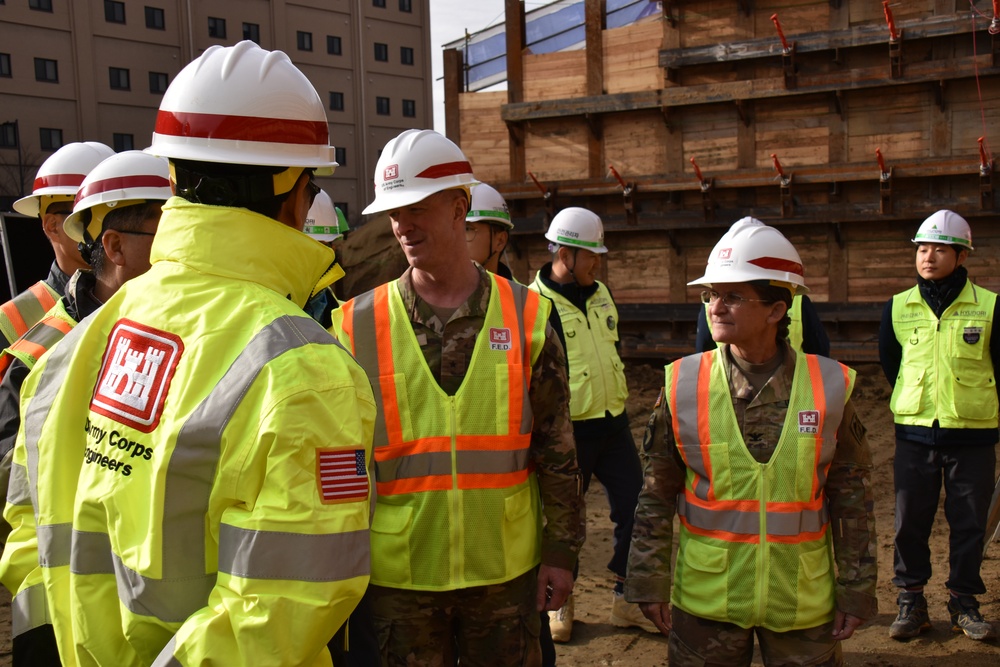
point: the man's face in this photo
(136, 246)
(431, 232)
(745, 322)
(479, 236)
(936, 261)
(584, 265)
(52, 222)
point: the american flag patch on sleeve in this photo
(341, 475)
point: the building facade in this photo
(90, 70)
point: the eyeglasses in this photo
(136, 232)
(729, 300)
(470, 233)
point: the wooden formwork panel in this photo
(709, 135)
(796, 16)
(798, 133)
(712, 22)
(556, 150)
(485, 139)
(898, 123)
(631, 57)
(635, 143)
(555, 76)
(870, 11)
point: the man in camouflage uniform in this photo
(476, 524)
(743, 569)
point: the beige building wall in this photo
(85, 46)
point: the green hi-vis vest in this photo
(755, 545)
(458, 503)
(946, 375)
(596, 372)
(38, 339)
(25, 310)
(794, 328)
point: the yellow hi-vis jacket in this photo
(755, 544)
(458, 502)
(197, 453)
(946, 374)
(794, 327)
(25, 310)
(596, 373)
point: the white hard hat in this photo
(243, 105)
(61, 175)
(128, 178)
(751, 250)
(945, 227)
(415, 165)
(576, 227)
(489, 206)
(323, 219)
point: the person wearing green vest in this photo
(939, 352)
(114, 221)
(805, 330)
(478, 512)
(51, 200)
(598, 391)
(760, 453)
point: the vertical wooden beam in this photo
(838, 291)
(595, 19)
(516, 38)
(454, 86)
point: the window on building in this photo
(410, 108)
(406, 5)
(382, 106)
(8, 135)
(46, 70)
(5, 64)
(50, 139)
(406, 55)
(158, 82)
(333, 46)
(114, 12)
(336, 101)
(40, 5)
(304, 40)
(124, 142)
(251, 31)
(119, 78)
(154, 18)
(340, 155)
(381, 52)
(378, 3)
(216, 27)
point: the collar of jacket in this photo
(79, 299)
(238, 243)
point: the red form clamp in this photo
(548, 198)
(884, 184)
(895, 43)
(787, 54)
(787, 203)
(985, 175)
(628, 190)
(707, 203)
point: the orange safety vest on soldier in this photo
(38, 339)
(25, 310)
(458, 505)
(755, 543)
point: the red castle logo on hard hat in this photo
(725, 253)
(391, 172)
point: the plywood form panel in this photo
(557, 149)
(798, 132)
(970, 118)
(712, 22)
(709, 136)
(796, 16)
(896, 121)
(635, 143)
(870, 11)
(485, 139)
(555, 76)
(631, 57)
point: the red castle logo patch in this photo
(809, 421)
(391, 172)
(500, 339)
(725, 253)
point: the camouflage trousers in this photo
(480, 626)
(699, 642)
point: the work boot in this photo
(965, 617)
(628, 615)
(561, 622)
(912, 618)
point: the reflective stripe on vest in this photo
(35, 342)
(184, 585)
(24, 310)
(29, 610)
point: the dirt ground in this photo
(596, 642)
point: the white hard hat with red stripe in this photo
(945, 227)
(750, 251)
(415, 165)
(132, 177)
(243, 105)
(60, 176)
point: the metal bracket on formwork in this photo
(548, 200)
(994, 31)
(895, 43)
(838, 235)
(985, 178)
(785, 180)
(787, 54)
(706, 185)
(884, 185)
(628, 197)
(838, 102)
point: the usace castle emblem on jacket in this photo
(137, 367)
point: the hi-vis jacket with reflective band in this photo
(596, 372)
(202, 532)
(25, 310)
(946, 375)
(755, 545)
(458, 504)
(794, 328)
(38, 339)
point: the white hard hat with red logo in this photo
(323, 222)
(577, 227)
(243, 105)
(750, 251)
(128, 178)
(945, 227)
(415, 165)
(489, 206)
(60, 176)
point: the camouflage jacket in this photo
(848, 491)
(447, 348)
